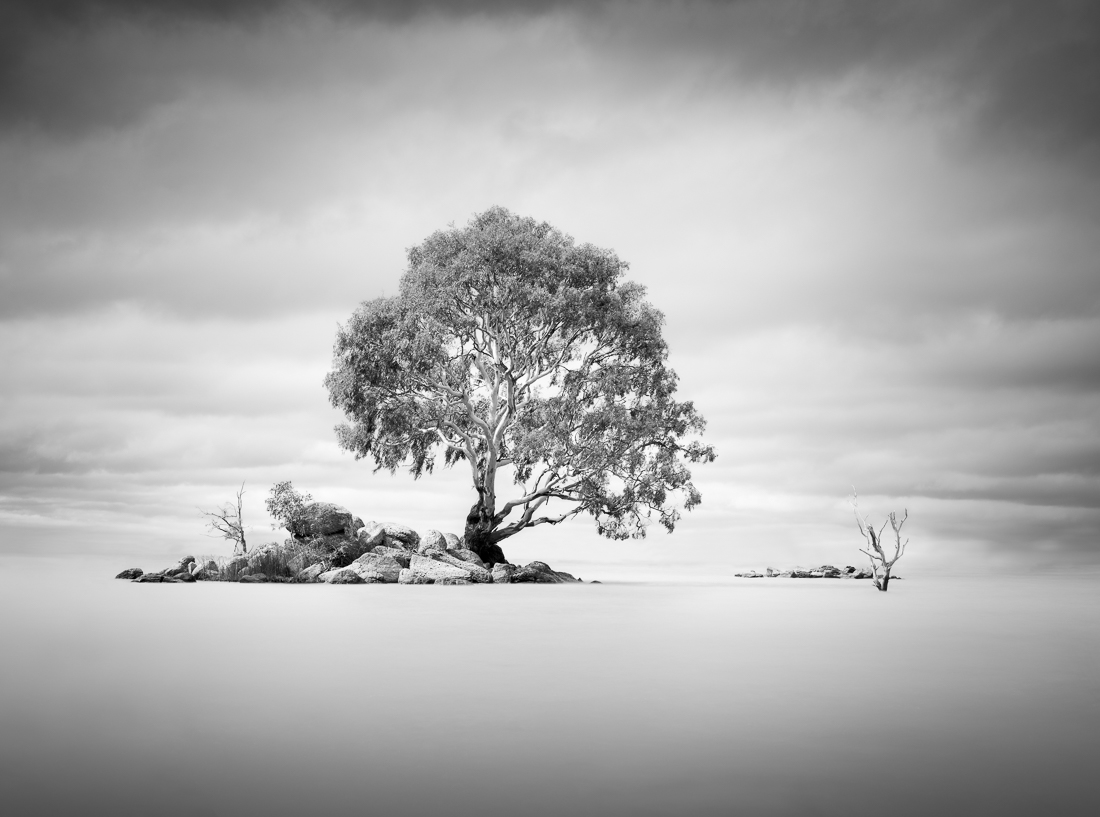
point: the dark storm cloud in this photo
(67, 66)
(1028, 68)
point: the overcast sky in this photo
(873, 229)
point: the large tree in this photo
(517, 351)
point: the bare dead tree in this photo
(227, 523)
(880, 564)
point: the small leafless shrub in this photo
(881, 563)
(227, 523)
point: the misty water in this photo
(944, 696)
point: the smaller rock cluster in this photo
(330, 545)
(823, 572)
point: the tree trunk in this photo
(884, 583)
(478, 535)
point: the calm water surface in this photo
(760, 697)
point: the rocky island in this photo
(330, 544)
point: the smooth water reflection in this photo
(761, 697)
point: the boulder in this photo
(454, 542)
(235, 566)
(475, 573)
(302, 559)
(253, 578)
(399, 555)
(311, 574)
(130, 573)
(385, 568)
(184, 577)
(184, 566)
(770, 573)
(409, 576)
(436, 570)
(329, 543)
(202, 574)
(347, 576)
(347, 553)
(502, 572)
(433, 540)
(322, 519)
(568, 577)
(536, 572)
(371, 535)
(466, 556)
(401, 536)
(356, 524)
(453, 580)
(341, 575)
(149, 578)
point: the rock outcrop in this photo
(433, 540)
(331, 545)
(822, 572)
(401, 536)
(323, 519)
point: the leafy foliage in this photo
(284, 503)
(511, 346)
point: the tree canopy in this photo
(511, 347)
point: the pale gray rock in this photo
(436, 570)
(400, 555)
(453, 581)
(253, 578)
(475, 573)
(371, 535)
(130, 573)
(303, 559)
(454, 542)
(311, 574)
(341, 575)
(467, 555)
(385, 567)
(502, 572)
(401, 536)
(348, 576)
(409, 576)
(432, 540)
(536, 573)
